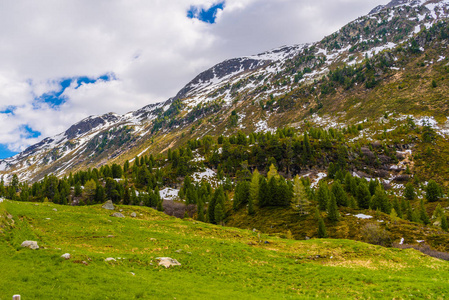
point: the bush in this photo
(373, 234)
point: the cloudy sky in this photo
(61, 61)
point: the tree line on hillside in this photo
(238, 159)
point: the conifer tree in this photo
(283, 193)
(423, 213)
(126, 197)
(409, 211)
(200, 209)
(218, 214)
(437, 212)
(272, 172)
(272, 191)
(264, 197)
(373, 184)
(393, 216)
(380, 201)
(444, 225)
(299, 194)
(432, 191)
(322, 232)
(218, 198)
(348, 181)
(241, 196)
(397, 207)
(352, 202)
(363, 195)
(339, 193)
(253, 191)
(332, 209)
(409, 192)
(323, 196)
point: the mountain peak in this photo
(395, 3)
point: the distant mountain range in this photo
(329, 83)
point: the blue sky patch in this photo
(28, 132)
(56, 98)
(206, 15)
(5, 152)
(9, 110)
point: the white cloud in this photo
(151, 47)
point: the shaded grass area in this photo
(217, 262)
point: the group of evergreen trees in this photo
(284, 152)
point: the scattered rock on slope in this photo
(30, 244)
(108, 205)
(167, 262)
(66, 256)
(117, 215)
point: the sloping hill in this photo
(216, 262)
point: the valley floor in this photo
(216, 262)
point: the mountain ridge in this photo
(233, 84)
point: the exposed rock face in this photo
(30, 244)
(109, 205)
(89, 123)
(117, 215)
(133, 215)
(167, 262)
(221, 70)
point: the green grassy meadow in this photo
(217, 262)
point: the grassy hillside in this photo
(217, 262)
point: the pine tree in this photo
(218, 214)
(272, 191)
(218, 198)
(432, 191)
(437, 212)
(339, 193)
(397, 207)
(264, 197)
(253, 192)
(332, 209)
(380, 201)
(363, 195)
(241, 195)
(272, 172)
(352, 202)
(126, 197)
(373, 184)
(393, 216)
(322, 232)
(444, 225)
(299, 194)
(306, 145)
(409, 192)
(200, 209)
(348, 180)
(283, 194)
(423, 213)
(323, 196)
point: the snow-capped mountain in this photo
(240, 87)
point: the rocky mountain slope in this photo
(368, 68)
